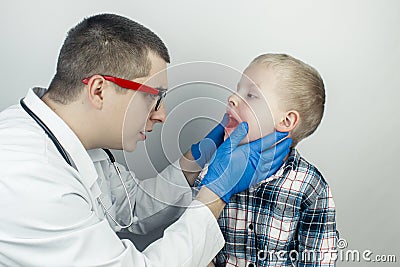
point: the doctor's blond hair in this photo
(105, 44)
(300, 88)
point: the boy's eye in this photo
(250, 95)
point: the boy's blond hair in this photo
(301, 88)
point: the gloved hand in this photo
(236, 168)
(203, 151)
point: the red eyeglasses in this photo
(131, 85)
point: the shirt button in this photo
(251, 226)
(261, 254)
(251, 265)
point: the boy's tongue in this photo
(232, 123)
(230, 127)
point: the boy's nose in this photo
(233, 100)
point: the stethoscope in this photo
(64, 154)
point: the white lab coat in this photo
(49, 215)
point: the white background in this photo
(355, 45)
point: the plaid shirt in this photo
(287, 220)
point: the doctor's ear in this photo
(288, 122)
(95, 91)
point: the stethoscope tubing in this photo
(64, 154)
(46, 129)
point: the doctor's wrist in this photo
(211, 200)
(189, 167)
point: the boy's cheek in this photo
(260, 131)
(255, 132)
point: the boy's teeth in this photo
(232, 123)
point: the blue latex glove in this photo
(236, 168)
(203, 151)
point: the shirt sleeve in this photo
(157, 201)
(54, 224)
(317, 232)
(175, 246)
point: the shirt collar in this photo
(67, 138)
(290, 163)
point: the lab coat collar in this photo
(65, 136)
(97, 154)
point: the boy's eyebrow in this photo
(253, 85)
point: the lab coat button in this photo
(251, 265)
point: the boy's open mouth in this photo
(232, 123)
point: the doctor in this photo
(61, 196)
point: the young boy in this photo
(289, 218)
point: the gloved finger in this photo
(268, 141)
(274, 155)
(217, 134)
(278, 161)
(281, 145)
(207, 146)
(266, 167)
(234, 139)
(224, 120)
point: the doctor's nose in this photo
(158, 116)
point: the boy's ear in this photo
(288, 122)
